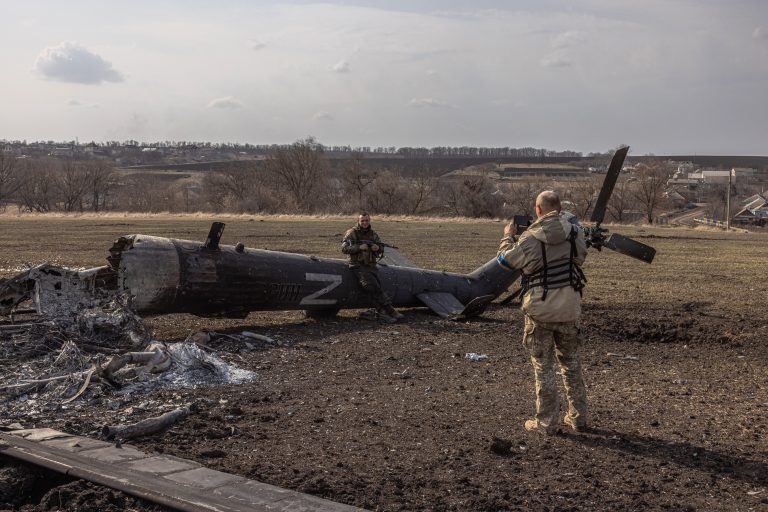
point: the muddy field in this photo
(394, 417)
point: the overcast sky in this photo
(664, 76)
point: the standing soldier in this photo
(550, 254)
(362, 244)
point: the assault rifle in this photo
(379, 243)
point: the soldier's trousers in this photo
(369, 281)
(547, 341)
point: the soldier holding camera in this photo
(550, 253)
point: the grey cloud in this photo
(73, 63)
(227, 102)
(255, 44)
(760, 33)
(77, 103)
(555, 62)
(341, 67)
(428, 103)
(505, 102)
(568, 39)
(322, 115)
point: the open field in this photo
(393, 417)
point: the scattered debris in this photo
(191, 367)
(622, 356)
(199, 338)
(144, 427)
(83, 346)
(243, 342)
(259, 337)
(472, 356)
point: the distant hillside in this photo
(442, 165)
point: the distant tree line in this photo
(264, 149)
(298, 178)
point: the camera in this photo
(521, 222)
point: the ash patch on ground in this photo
(84, 349)
(192, 367)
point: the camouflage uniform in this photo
(363, 264)
(552, 307)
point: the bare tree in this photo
(420, 190)
(583, 194)
(520, 196)
(472, 196)
(39, 186)
(356, 178)
(716, 197)
(386, 194)
(648, 190)
(147, 193)
(450, 193)
(73, 184)
(101, 179)
(239, 188)
(215, 192)
(302, 170)
(621, 201)
(9, 177)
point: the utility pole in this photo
(728, 202)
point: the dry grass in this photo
(13, 214)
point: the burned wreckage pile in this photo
(70, 337)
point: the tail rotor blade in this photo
(629, 247)
(610, 181)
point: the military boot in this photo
(369, 314)
(578, 427)
(535, 426)
(384, 316)
(393, 312)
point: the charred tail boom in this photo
(180, 276)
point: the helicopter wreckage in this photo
(96, 311)
(162, 275)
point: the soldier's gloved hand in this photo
(363, 247)
(509, 229)
(375, 248)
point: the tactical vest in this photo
(557, 274)
(353, 237)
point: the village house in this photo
(754, 211)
